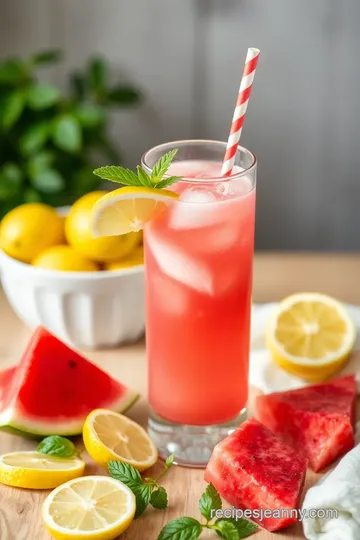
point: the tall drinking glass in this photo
(198, 264)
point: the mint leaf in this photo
(126, 473)
(244, 527)
(142, 495)
(117, 174)
(162, 166)
(159, 498)
(185, 528)
(57, 446)
(167, 181)
(169, 461)
(210, 500)
(143, 177)
(226, 529)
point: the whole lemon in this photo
(64, 258)
(79, 234)
(135, 258)
(29, 229)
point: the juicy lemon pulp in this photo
(111, 436)
(128, 209)
(34, 470)
(311, 336)
(93, 507)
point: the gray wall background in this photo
(187, 55)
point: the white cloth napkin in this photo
(338, 490)
(266, 375)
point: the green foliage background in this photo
(51, 142)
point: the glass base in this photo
(192, 445)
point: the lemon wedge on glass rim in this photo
(34, 470)
(311, 336)
(89, 508)
(112, 436)
(128, 209)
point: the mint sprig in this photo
(188, 528)
(57, 446)
(124, 176)
(146, 491)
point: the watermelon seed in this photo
(72, 363)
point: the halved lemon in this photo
(311, 336)
(111, 436)
(34, 470)
(128, 209)
(89, 508)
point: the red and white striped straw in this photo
(237, 123)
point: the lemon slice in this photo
(128, 209)
(311, 336)
(109, 435)
(34, 470)
(92, 507)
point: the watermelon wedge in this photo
(254, 469)
(316, 420)
(54, 388)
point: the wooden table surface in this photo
(275, 276)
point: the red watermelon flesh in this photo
(54, 388)
(316, 420)
(254, 469)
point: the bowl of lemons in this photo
(87, 291)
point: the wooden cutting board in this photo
(20, 517)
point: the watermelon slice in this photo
(254, 469)
(54, 388)
(316, 420)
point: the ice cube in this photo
(179, 265)
(198, 195)
(196, 208)
(171, 296)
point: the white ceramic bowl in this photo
(85, 309)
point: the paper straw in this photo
(248, 75)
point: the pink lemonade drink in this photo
(198, 260)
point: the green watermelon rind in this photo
(123, 406)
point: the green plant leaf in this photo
(12, 109)
(90, 115)
(124, 472)
(48, 181)
(209, 500)
(31, 195)
(114, 173)
(98, 74)
(40, 162)
(12, 71)
(143, 177)
(162, 165)
(78, 85)
(56, 446)
(226, 529)
(142, 495)
(11, 177)
(185, 528)
(169, 462)
(244, 527)
(46, 57)
(34, 138)
(159, 498)
(167, 181)
(124, 96)
(67, 133)
(43, 96)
